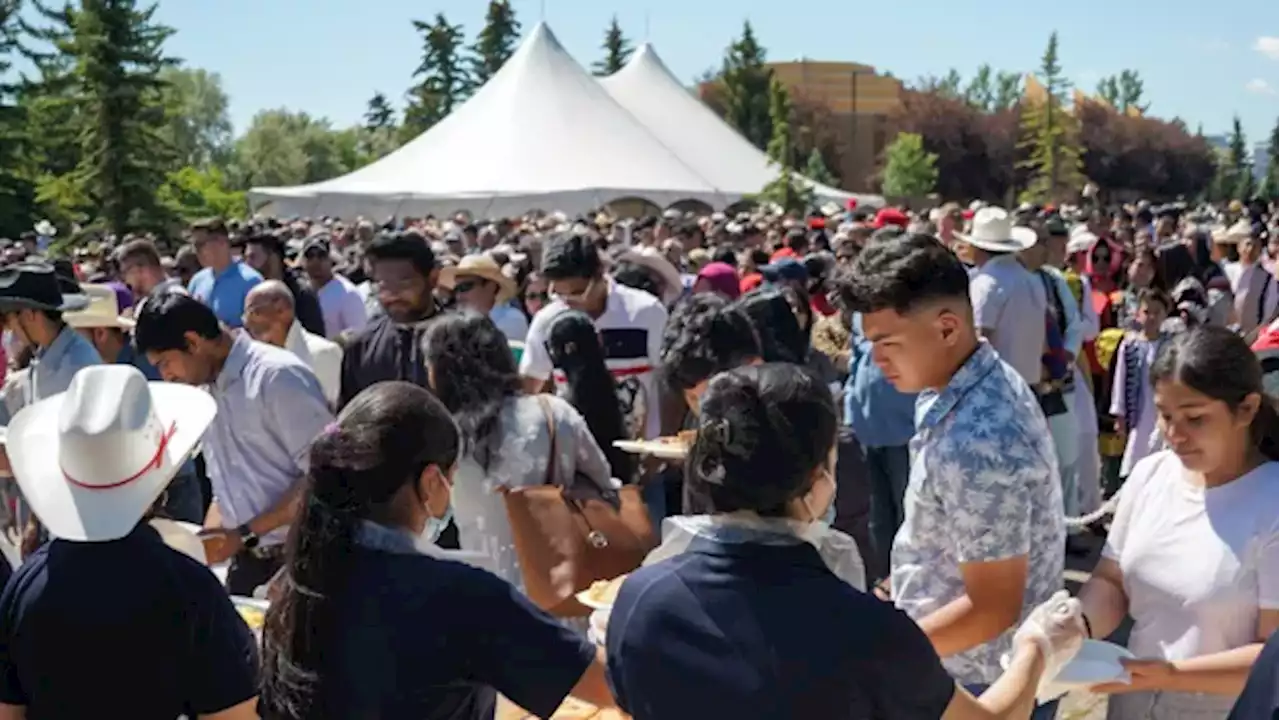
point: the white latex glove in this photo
(1058, 628)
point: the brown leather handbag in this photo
(570, 533)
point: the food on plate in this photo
(254, 617)
(684, 437)
(602, 593)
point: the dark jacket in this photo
(306, 305)
(384, 350)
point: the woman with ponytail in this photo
(1192, 553)
(373, 620)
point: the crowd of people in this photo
(897, 427)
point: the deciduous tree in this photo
(910, 170)
(199, 126)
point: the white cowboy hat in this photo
(653, 259)
(92, 460)
(1081, 240)
(1233, 235)
(994, 231)
(103, 310)
(481, 266)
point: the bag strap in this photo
(550, 478)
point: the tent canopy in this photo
(541, 134)
(649, 90)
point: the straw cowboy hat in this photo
(483, 267)
(653, 259)
(994, 231)
(1233, 235)
(36, 286)
(92, 460)
(103, 310)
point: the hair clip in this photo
(716, 431)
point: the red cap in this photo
(817, 223)
(967, 214)
(785, 252)
(851, 204)
(891, 216)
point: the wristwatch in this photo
(248, 538)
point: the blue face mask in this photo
(830, 515)
(435, 526)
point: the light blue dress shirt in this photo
(50, 372)
(984, 487)
(270, 408)
(226, 291)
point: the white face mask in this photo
(435, 526)
(828, 516)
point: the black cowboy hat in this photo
(37, 285)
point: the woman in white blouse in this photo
(1192, 554)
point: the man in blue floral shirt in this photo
(982, 542)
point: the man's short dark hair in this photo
(139, 251)
(900, 273)
(1155, 295)
(213, 226)
(706, 335)
(410, 245)
(571, 256)
(269, 243)
(167, 317)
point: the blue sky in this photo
(1200, 62)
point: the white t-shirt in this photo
(1198, 563)
(342, 306)
(1009, 300)
(631, 332)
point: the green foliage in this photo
(197, 124)
(910, 170)
(379, 113)
(787, 190)
(981, 92)
(192, 193)
(815, 168)
(17, 191)
(617, 50)
(1270, 189)
(105, 78)
(1050, 136)
(1122, 92)
(443, 82)
(1241, 162)
(495, 43)
(745, 82)
(1008, 91)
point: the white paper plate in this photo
(663, 450)
(1097, 662)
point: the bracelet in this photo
(1088, 629)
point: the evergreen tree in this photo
(379, 113)
(17, 192)
(1270, 189)
(1131, 91)
(949, 86)
(910, 171)
(746, 85)
(1109, 91)
(1008, 91)
(442, 83)
(815, 168)
(617, 50)
(787, 190)
(1050, 137)
(1241, 162)
(107, 86)
(979, 92)
(495, 43)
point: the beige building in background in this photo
(860, 101)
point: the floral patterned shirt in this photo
(984, 487)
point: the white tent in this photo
(541, 134)
(683, 123)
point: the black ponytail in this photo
(384, 439)
(1265, 428)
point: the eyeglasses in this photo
(576, 297)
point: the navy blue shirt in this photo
(127, 628)
(1259, 701)
(760, 631)
(422, 638)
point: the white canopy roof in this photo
(541, 134)
(683, 123)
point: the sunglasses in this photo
(463, 286)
